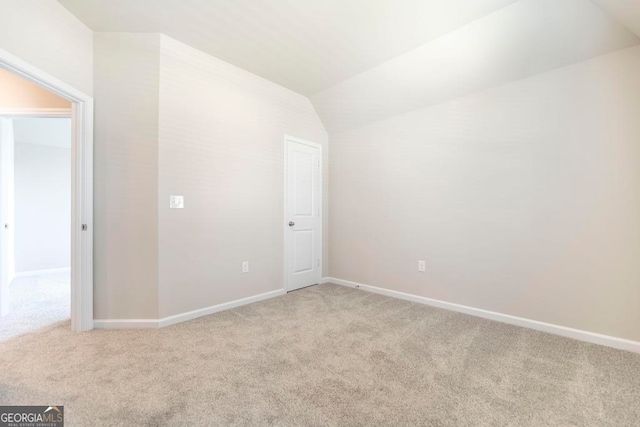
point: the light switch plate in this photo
(176, 202)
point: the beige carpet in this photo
(36, 302)
(325, 355)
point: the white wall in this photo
(126, 175)
(42, 194)
(222, 147)
(173, 120)
(46, 35)
(523, 199)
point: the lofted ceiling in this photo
(626, 11)
(304, 45)
(525, 38)
(365, 60)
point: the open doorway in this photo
(46, 196)
(39, 294)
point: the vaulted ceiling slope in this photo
(366, 60)
(626, 11)
(525, 38)
(304, 45)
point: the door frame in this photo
(286, 230)
(81, 185)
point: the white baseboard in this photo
(183, 317)
(125, 324)
(41, 272)
(577, 334)
(190, 315)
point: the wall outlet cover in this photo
(422, 266)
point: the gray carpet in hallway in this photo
(325, 355)
(36, 302)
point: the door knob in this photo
(291, 223)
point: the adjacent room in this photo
(35, 191)
(346, 212)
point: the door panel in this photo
(303, 184)
(302, 251)
(302, 214)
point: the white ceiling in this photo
(53, 132)
(523, 39)
(626, 11)
(304, 45)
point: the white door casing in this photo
(303, 213)
(81, 185)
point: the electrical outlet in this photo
(245, 266)
(422, 266)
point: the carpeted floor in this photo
(36, 302)
(325, 355)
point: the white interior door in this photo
(303, 212)
(7, 265)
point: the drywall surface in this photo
(523, 39)
(523, 199)
(126, 175)
(222, 147)
(19, 94)
(49, 131)
(42, 205)
(627, 12)
(302, 45)
(171, 120)
(47, 36)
